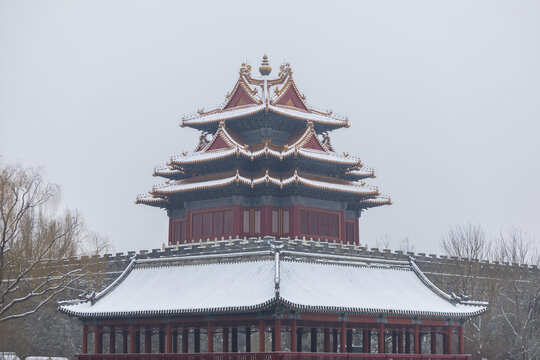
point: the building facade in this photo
(264, 165)
(270, 207)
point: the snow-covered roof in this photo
(180, 186)
(265, 94)
(247, 283)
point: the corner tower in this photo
(264, 165)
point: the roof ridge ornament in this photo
(265, 68)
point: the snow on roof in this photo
(167, 286)
(197, 157)
(180, 186)
(243, 111)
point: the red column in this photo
(381, 338)
(334, 340)
(148, 339)
(112, 340)
(460, 338)
(85, 339)
(97, 339)
(277, 333)
(326, 340)
(132, 338)
(261, 336)
(449, 330)
(394, 342)
(343, 337)
(293, 335)
(169, 338)
(185, 338)
(366, 341)
(416, 339)
(225, 340)
(210, 337)
(433, 342)
(400, 342)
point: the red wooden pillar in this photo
(420, 342)
(132, 338)
(449, 330)
(366, 341)
(326, 340)
(262, 338)
(112, 339)
(85, 339)
(277, 334)
(394, 342)
(460, 339)
(148, 339)
(433, 342)
(400, 342)
(381, 338)
(343, 337)
(98, 337)
(293, 335)
(210, 337)
(416, 339)
(125, 345)
(169, 335)
(185, 338)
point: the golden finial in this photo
(265, 68)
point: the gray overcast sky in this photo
(443, 98)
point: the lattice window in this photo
(207, 224)
(197, 225)
(333, 230)
(286, 221)
(218, 223)
(313, 223)
(323, 224)
(304, 222)
(246, 221)
(228, 222)
(179, 227)
(275, 221)
(257, 221)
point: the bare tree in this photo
(35, 243)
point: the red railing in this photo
(271, 356)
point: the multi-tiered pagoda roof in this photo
(266, 140)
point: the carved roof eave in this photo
(177, 187)
(214, 117)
